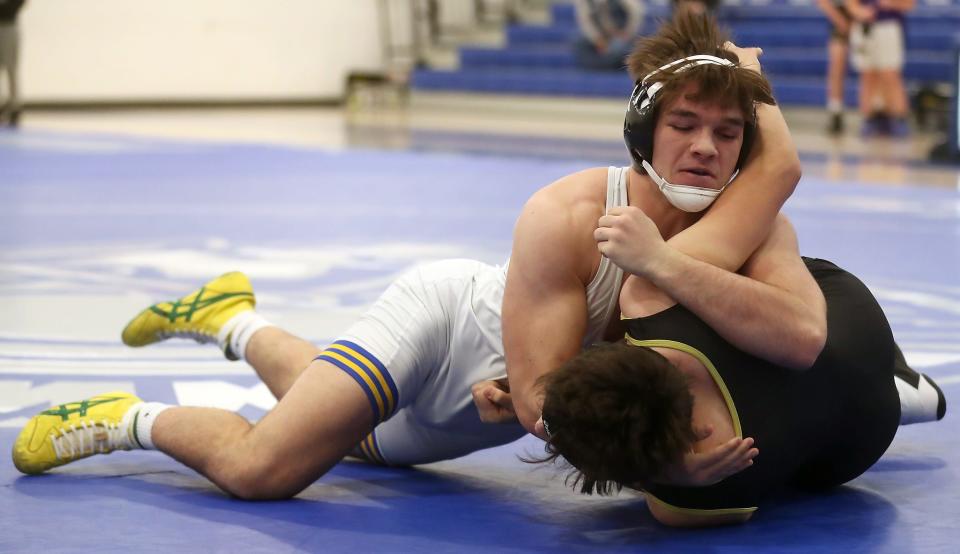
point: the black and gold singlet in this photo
(816, 428)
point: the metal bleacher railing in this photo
(410, 29)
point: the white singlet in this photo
(432, 335)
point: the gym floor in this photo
(104, 212)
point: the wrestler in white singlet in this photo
(433, 334)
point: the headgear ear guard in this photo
(641, 117)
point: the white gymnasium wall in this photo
(208, 50)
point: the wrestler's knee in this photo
(261, 478)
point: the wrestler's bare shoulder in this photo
(581, 194)
(557, 223)
(709, 407)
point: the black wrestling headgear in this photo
(641, 117)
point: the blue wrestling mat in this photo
(93, 228)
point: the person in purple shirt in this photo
(877, 52)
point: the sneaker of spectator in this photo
(835, 126)
(899, 127)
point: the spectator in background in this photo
(695, 6)
(876, 42)
(837, 51)
(607, 29)
(9, 58)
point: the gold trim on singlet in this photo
(702, 358)
(731, 407)
(699, 511)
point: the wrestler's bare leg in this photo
(222, 311)
(315, 424)
(279, 358)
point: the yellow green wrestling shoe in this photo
(73, 431)
(199, 315)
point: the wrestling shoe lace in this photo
(74, 430)
(87, 438)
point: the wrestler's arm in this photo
(774, 310)
(725, 237)
(777, 271)
(742, 216)
(544, 303)
(740, 219)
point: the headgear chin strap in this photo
(639, 125)
(684, 197)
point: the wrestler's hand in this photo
(700, 469)
(493, 402)
(630, 239)
(749, 57)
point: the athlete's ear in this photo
(539, 430)
(703, 432)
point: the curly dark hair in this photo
(618, 414)
(688, 34)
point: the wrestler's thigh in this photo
(314, 425)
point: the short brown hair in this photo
(689, 34)
(619, 414)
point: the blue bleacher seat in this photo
(793, 33)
